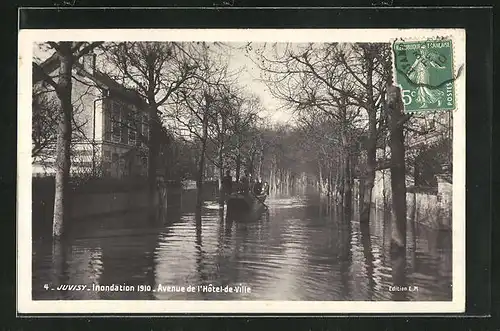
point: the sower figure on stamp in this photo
(419, 74)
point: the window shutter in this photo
(124, 125)
(107, 119)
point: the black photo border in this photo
(479, 118)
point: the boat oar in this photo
(262, 202)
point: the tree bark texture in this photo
(153, 152)
(398, 182)
(64, 132)
(238, 167)
(201, 162)
(371, 148)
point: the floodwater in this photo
(298, 250)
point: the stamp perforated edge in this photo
(456, 74)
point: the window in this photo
(107, 155)
(85, 164)
(106, 168)
(145, 129)
(132, 127)
(84, 152)
(124, 125)
(108, 106)
(138, 126)
(116, 130)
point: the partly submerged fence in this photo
(96, 197)
(90, 198)
(430, 206)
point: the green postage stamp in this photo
(424, 71)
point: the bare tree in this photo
(196, 107)
(242, 124)
(44, 128)
(398, 172)
(45, 110)
(156, 70)
(66, 53)
(338, 80)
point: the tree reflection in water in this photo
(300, 250)
(367, 252)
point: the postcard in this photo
(241, 171)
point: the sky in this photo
(249, 78)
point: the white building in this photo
(110, 129)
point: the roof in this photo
(99, 78)
(115, 88)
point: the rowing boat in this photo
(245, 207)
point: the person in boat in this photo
(265, 188)
(257, 187)
(245, 182)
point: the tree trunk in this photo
(261, 161)
(368, 255)
(222, 142)
(251, 163)
(221, 173)
(200, 177)
(63, 158)
(201, 163)
(153, 147)
(320, 182)
(413, 220)
(361, 194)
(371, 149)
(238, 166)
(155, 198)
(346, 162)
(398, 182)
(348, 185)
(288, 181)
(271, 179)
(329, 184)
(369, 182)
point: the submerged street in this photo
(298, 250)
(140, 140)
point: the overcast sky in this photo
(249, 79)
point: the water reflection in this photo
(299, 249)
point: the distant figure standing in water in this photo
(227, 184)
(245, 182)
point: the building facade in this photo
(110, 126)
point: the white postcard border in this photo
(26, 305)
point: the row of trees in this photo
(350, 119)
(196, 111)
(346, 109)
(338, 91)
